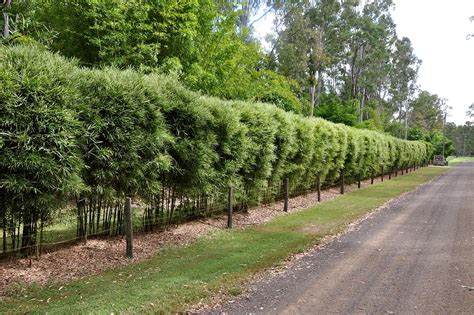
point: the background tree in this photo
(470, 111)
(404, 72)
(328, 57)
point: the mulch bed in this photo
(98, 255)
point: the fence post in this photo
(381, 176)
(230, 207)
(129, 227)
(287, 189)
(318, 183)
(342, 182)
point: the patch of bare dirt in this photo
(82, 260)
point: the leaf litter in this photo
(97, 255)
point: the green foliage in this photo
(345, 54)
(194, 40)
(40, 161)
(334, 110)
(435, 139)
(38, 127)
(140, 133)
(121, 33)
(174, 278)
(427, 112)
(276, 89)
(125, 143)
(462, 137)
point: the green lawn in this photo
(180, 276)
(462, 159)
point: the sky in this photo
(438, 30)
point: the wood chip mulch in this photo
(82, 260)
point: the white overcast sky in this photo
(437, 29)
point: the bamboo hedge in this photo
(96, 136)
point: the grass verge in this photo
(180, 276)
(462, 159)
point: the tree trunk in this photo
(406, 123)
(4, 234)
(312, 98)
(26, 240)
(362, 105)
(13, 233)
(353, 74)
(6, 25)
(41, 238)
(319, 88)
(400, 108)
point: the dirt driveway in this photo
(417, 255)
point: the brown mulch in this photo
(82, 260)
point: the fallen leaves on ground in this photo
(97, 255)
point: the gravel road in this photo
(415, 256)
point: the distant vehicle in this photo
(440, 160)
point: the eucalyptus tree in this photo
(462, 137)
(471, 35)
(369, 48)
(300, 50)
(247, 9)
(295, 43)
(5, 5)
(470, 111)
(427, 112)
(403, 79)
(325, 21)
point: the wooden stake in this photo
(318, 183)
(129, 227)
(230, 207)
(342, 182)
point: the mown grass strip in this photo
(180, 276)
(461, 159)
